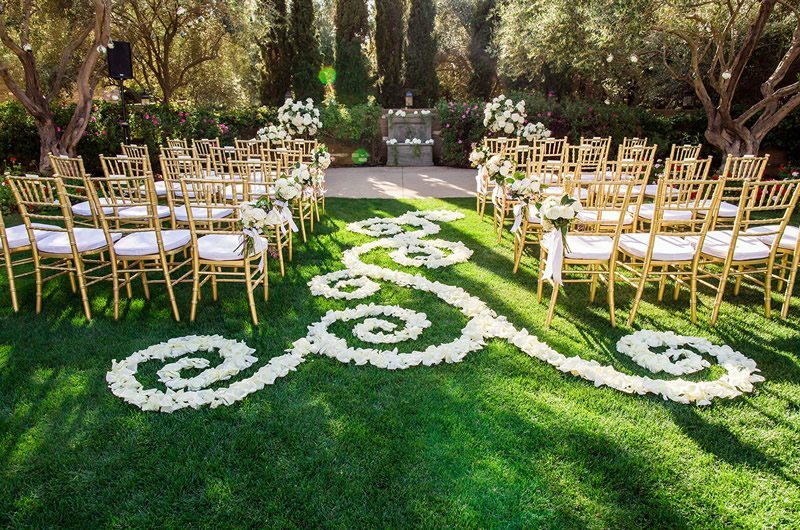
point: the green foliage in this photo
(484, 64)
(461, 126)
(306, 60)
(357, 124)
(389, 51)
(353, 82)
(420, 53)
(275, 52)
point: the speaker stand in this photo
(126, 130)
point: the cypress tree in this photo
(353, 82)
(275, 53)
(389, 50)
(306, 60)
(421, 53)
(484, 64)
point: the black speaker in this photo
(120, 64)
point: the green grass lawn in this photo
(498, 440)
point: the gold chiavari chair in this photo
(175, 170)
(631, 142)
(219, 245)
(202, 148)
(591, 245)
(141, 152)
(124, 166)
(553, 149)
(789, 258)
(73, 176)
(679, 153)
(305, 147)
(252, 148)
(501, 146)
(664, 251)
(588, 161)
(66, 250)
(740, 253)
(176, 152)
(676, 171)
(220, 158)
(144, 248)
(598, 141)
(526, 153)
(502, 208)
(15, 244)
(737, 169)
(178, 143)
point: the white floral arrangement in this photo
(287, 189)
(321, 158)
(302, 174)
(478, 156)
(273, 133)
(524, 188)
(499, 168)
(259, 215)
(535, 131)
(300, 118)
(558, 213)
(503, 116)
(425, 112)
(399, 113)
(429, 141)
(413, 141)
(391, 141)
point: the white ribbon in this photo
(480, 181)
(258, 245)
(519, 211)
(554, 243)
(286, 214)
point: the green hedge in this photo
(462, 125)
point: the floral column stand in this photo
(410, 141)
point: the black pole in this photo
(126, 132)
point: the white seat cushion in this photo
(18, 235)
(726, 209)
(646, 211)
(221, 247)
(85, 239)
(665, 248)
(718, 242)
(588, 247)
(84, 209)
(788, 240)
(256, 190)
(145, 243)
(651, 190)
(142, 212)
(200, 213)
(160, 187)
(559, 190)
(605, 217)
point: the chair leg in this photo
(195, 292)
(593, 286)
(11, 282)
(519, 246)
(128, 287)
(145, 285)
(611, 301)
(768, 291)
(265, 279)
(738, 284)
(115, 288)
(214, 294)
(720, 294)
(639, 292)
(38, 273)
(676, 291)
(249, 286)
(787, 297)
(170, 290)
(539, 280)
(279, 241)
(82, 287)
(551, 310)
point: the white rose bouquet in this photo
(535, 131)
(558, 213)
(256, 218)
(321, 158)
(287, 189)
(299, 118)
(302, 174)
(503, 116)
(499, 168)
(478, 156)
(525, 189)
(273, 133)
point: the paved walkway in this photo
(400, 182)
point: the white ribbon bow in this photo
(258, 245)
(479, 180)
(554, 242)
(286, 214)
(519, 211)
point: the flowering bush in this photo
(299, 118)
(503, 116)
(788, 171)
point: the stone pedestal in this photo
(403, 129)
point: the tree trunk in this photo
(730, 141)
(48, 143)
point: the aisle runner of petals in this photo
(360, 280)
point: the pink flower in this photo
(155, 121)
(549, 114)
(147, 116)
(183, 120)
(92, 119)
(447, 126)
(460, 141)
